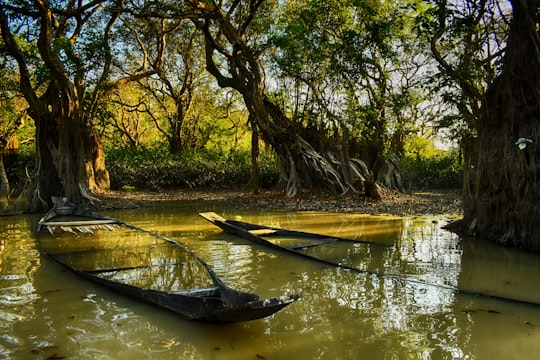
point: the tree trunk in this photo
(254, 182)
(502, 169)
(70, 162)
(388, 173)
(60, 169)
(176, 123)
(301, 162)
(4, 185)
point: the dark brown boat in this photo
(147, 266)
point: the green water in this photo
(47, 312)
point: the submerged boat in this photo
(147, 266)
(300, 243)
(341, 252)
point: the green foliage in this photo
(421, 146)
(18, 166)
(468, 41)
(354, 66)
(442, 171)
(154, 169)
(362, 71)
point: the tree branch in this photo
(13, 48)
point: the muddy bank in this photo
(424, 203)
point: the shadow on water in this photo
(47, 312)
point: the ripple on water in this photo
(18, 294)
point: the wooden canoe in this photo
(146, 266)
(290, 241)
(302, 241)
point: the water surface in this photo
(48, 312)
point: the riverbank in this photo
(447, 202)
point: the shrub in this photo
(437, 172)
(154, 169)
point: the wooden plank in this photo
(118, 269)
(263, 231)
(78, 223)
(202, 292)
(212, 217)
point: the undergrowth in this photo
(437, 172)
(155, 169)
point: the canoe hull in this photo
(207, 306)
(249, 232)
(216, 303)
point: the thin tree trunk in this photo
(4, 185)
(254, 182)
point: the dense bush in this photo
(437, 172)
(155, 169)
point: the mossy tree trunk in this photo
(62, 136)
(502, 169)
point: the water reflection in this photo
(500, 271)
(46, 311)
(19, 262)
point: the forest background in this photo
(263, 93)
(175, 127)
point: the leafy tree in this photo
(172, 90)
(54, 106)
(234, 44)
(79, 47)
(467, 40)
(354, 67)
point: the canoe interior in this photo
(148, 266)
(358, 256)
(333, 250)
(127, 256)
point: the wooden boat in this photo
(147, 266)
(291, 241)
(300, 243)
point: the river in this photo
(400, 306)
